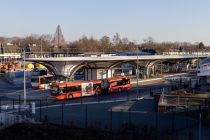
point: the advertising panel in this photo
(87, 89)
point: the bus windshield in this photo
(46, 80)
(35, 79)
(39, 72)
(57, 90)
(54, 90)
(125, 81)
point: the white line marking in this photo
(85, 103)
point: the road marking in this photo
(85, 103)
(140, 112)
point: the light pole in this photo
(137, 69)
(109, 48)
(24, 77)
(197, 58)
(197, 82)
(50, 52)
(200, 127)
(41, 47)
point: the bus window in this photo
(96, 86)
(119, 83)
(42, 81)
(104, 84)
(73, 89)
(54, 90)
(61, 90)
(69, 89)
(78, 88)
(113, 84)
(48, 79)
(125, 81)
(43, 72)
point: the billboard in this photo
(87, 89)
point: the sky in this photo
(164, 20)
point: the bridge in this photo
(99, 67)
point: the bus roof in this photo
(117, 78)
(96, 81)
(43, 76)
(64, 84)
(78, 83)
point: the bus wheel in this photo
(70, 96)
(119, 89)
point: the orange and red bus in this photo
(41, 82)
(69, 90)
(117, 84)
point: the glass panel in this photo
(61, 90)
(54, 90)
(35, 80)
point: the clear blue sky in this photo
(164, 20)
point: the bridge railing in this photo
(50, 54)
(186, 53)
(65, 54)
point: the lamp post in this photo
(197, 64)
(197, 58)
(41, 47)
(24, 77)
(109, 48)
(50, 52)
(137, 69)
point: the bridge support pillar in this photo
(148, 73)
(91, 74)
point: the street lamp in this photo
(50, 52)
(110, 48)
(197, 58)
(137, 69)
(41, 47)
(197, 69)
(24, 77)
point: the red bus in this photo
(41, 82)
(117, 84)
(69, 90)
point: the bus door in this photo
(87, 89)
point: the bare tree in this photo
(2, 40)
(105, 44)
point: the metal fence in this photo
(120, 112)
(112, 116)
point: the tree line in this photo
(103, 45)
